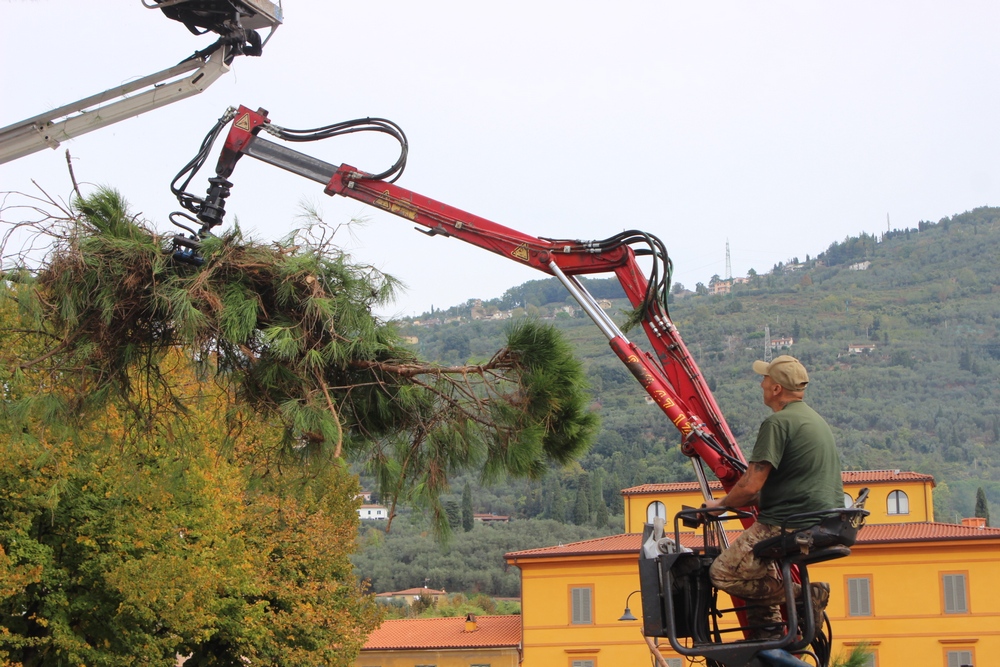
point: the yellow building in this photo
(894, 497)
(484, 641)
(917, 592)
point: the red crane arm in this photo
(671, 378)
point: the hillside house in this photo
(721, 287)
(490, 518)
(780, 342)
(860, 348)
(373, 512)
(411, 595)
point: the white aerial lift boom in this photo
(235, 21)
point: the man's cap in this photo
(786, 370)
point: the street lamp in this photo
(628, 616)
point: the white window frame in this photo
(898, 503)
(654, 509)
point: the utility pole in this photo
(767, 343)
(729, 264)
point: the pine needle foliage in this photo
(859, 656)
(288, 330)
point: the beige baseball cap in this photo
(786, 370)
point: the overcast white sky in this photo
(780, 126)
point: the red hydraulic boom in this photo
(669, 375)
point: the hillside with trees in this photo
(899, 331)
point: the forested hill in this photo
(918, 391)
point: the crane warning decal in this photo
(520, 252)
(395, 206)
(243, 122)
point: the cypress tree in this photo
(557, 505)
(468, 520)
(601, 516)
(453, 513)
(982, 507)
(581, 509)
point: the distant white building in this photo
(779, 342)
(860, 266)
(373, 512)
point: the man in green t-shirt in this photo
(794, 468)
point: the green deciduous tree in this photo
(122, 554)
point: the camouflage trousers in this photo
(737, 572)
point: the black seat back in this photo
(836, 527)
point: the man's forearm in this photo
(746, 493)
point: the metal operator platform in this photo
(678, 600)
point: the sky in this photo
(778, 127)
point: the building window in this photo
(581, 603)
(675, 662)
(959, 658)
(859, 596)
(583, 663)
(654, 510)
(955, 599)
(482, 664)
(898, 503)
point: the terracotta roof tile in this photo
(923, 532)
(849, 477)
(432, 633)
(872, 476)
(628, 543)
(612, 544)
